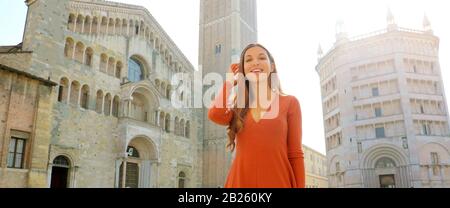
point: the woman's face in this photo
(257, 66)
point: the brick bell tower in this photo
(226, 27)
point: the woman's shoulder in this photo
(291, 100)
(287, 96)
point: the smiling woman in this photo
(268, 149)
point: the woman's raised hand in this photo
(234, 68)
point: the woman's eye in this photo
(248, 60)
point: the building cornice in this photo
(128, 9)
(46, 82)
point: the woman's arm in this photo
(218, 112)
(294, 142)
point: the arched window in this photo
(79, 52)
(94, 27)
(88, 56)
(87, 25)
(168, 91)
(103, 63)
(104, 25)
(85, 97)
(60, 172)
(131, 30)
(152, 39)
(187, 130)
(63, 90)
(163, 88)
(139, 107)
(107, 106)
(181, 180)
(136, 25)
(118, 29)
(111, 26)
(135, 70)
(177, 125)
(124, 27)
(68, 49)
(111, 63)
(71, 22)
(115, 107)
(167, 123)
(61, 161)
(80, 21)
(385, 163)
(161, 119)
(119, 67)
(181, 131)
(147, 34)
(142, 29)
(157, 44)
(99, 102)
(74, 93)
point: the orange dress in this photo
(269, 152)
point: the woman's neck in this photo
(261, 94)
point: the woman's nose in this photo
(255, 63)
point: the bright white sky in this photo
(291, 30)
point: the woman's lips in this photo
(256, 71)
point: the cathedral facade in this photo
(87, 101)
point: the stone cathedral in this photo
(87, 97)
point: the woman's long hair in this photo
(239, 113)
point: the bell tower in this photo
(226, 27)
